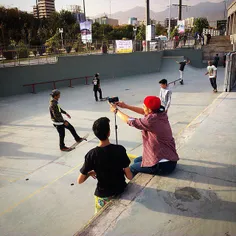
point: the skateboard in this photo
(77, 143)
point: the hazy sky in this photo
(96, 7)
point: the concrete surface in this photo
(37, 195)
(197, 199)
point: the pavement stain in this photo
(187, 194)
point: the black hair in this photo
(101, 128)
(163, 81)
(160, 110)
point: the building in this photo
(231, 25)
(133, 21)
(173, 22)
(189, 23)
(44, 8)
(143, 22)
(107, 21)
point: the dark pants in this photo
(96, 94)
(163, 168)
(213, 83)
(61, 131)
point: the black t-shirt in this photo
(108, 163)
(182, 65)
(96, 83)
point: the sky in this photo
(96, 7)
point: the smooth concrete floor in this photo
(38, 190)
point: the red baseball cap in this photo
(152, 102)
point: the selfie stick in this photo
(116, 127)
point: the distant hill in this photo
(213, 12)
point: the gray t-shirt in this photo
(165, 96)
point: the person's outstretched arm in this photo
(138, 110)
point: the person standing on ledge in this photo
(181, 69)
(58, 121)
(97, 87)
(159, 151)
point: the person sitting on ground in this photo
(165, 94)
(58, 121)
(108, 163)
(159, 151)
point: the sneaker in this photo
(79, 140)
(181, 82)
(65, 149)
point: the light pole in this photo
(84, 10)
(147, 23)
(169, 19)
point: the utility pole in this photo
(147, 23)
(180, 5)
(84, 10)
(169, 20)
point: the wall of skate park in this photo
(110, 66)
(195, 56)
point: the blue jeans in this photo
(158, 169)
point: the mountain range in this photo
(213, 12)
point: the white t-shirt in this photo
(212, 70)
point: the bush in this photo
(22, 50)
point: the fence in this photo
(230, 72)
(28, 55)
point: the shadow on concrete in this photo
(185, 201)
(12, 151)
(45, 126)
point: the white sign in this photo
(181, 25)
(150, 32)
(61, 30)
(124, 46)
(86, 31)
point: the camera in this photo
(113, 100)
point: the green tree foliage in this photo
(23, 27)
(160, 30)
(200, 24)
(141, 32)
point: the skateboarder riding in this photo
(58, 121)
(181, 69)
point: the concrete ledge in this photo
(104, 219)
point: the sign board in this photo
(124, 46)
(181, 26)
(150, 32)
(86, 31)
(61, 30)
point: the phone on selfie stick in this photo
(114, 100)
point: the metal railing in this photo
(54, 82)
(28, 55)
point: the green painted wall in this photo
(12, 79)
(195, 56)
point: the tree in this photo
(141, 32)
(200, 24)
(160, 30)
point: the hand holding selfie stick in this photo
(112, 101)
